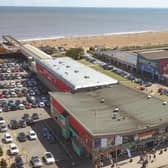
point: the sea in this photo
(28, 23)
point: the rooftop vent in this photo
(116, 109)
(102, 100)
(148, 126)
(60, 62)
(114, 115)
(66, 73)
(86, 77)
(164, 103)
(76, 71)
(67, 66)
(149, 97)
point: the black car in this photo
(17, 102)
(13, 124)
(25, 116)
(22, 123)
(19, 163)
(29, 121)
(108, 67)
(35, 116)
(34, 105)
(22, 137)
(6, 108)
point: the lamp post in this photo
(116, 156)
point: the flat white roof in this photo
(75, 74)
(34, 52)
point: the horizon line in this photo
(83, 7)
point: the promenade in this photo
(157, 160)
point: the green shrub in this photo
(12, 165)
(3, 163)
(1, 151)
(75, 53)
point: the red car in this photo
(28, 106)
(20, 94)
(2, 96)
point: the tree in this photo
(1, 151)
(75, 53)
(3, 163)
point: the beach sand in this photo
(114, 40)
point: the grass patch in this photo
(59, 54)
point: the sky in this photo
(88, 3)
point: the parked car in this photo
(49, 158)
(29, 121)
(28, 106)
(8, 138)
(2, 96)
(13, 124)
(22, 123)
(13, 94)
(148, 84)
(35, 116)
(108, 67)
(138, 80)
(19, 163)
(21, 106)
(3, 127)
(2, 121)
(41, 104)
(45, 132)
(34, 105)
(13, 149)
(32, 135)
(36, 162)
(25, 116)
(22, 137)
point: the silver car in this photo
(36, 161)
(3, 128)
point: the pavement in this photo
(160, 161)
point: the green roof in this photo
(136, 112)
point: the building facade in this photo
(122, 59)
(92, 130)
(154, 64)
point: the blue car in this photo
(45, 132)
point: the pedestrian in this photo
(101, 163)
(111, 161)
(149, 157)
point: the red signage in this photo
(57, 106)
(164, 66)
(146, 135)
(84, 137)
(53, 79)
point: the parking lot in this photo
(23, 105)
(134, 81)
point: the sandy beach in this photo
(114, 40)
